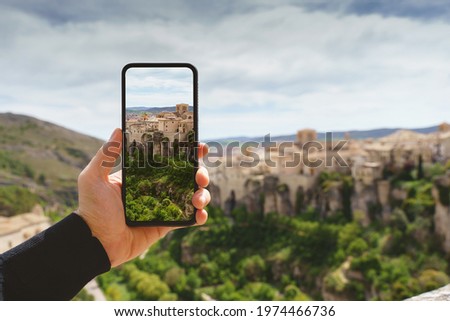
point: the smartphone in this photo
(160, 143)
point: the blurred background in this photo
(376, 73)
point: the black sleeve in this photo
(53, 265)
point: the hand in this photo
(101, 207)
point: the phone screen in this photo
(159, 120)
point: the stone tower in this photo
(444, 127)
(182, 108)
(304, 136)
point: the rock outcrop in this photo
(270, 193)
(254, 197)
(214, 190)
(284, 204)
(441, 294)
(441, 194)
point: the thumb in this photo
(105, 158)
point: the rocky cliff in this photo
(441, 194)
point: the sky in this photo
(264, 66)
(158, 87)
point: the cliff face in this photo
(254, 196)
(215, 190)
(262, 194)
(368, 201)
(441, 194)
(270, 194)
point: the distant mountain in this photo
(354, 134)
(142, 109)
(43, 158)
(375, 133)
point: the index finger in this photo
(103, 161)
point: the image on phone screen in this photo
(159, 120)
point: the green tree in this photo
(168, 297)
(259, 291)
(16, 200)
(420, 173)
(117, 292)
(357, 247)
(41, 179)
(253, 268)
(226, 291)
(193, 281)
(293, 293)
(176, 279)
(431, 279)
(150, 287)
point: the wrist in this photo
(110, 240)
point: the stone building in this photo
(167, 125)
(367, 162)
(136, 129)
(367, 172)
(402, 148)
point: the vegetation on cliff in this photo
(159, 190)
(40, 163)
(252, 256)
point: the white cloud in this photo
(271, 69)
(158, 87)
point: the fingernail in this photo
(113, 133)
(202, 199)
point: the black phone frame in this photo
(195, 102)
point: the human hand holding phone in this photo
(101, 206)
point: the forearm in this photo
(53, 265)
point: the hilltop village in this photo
(371, 192)
(165, 126)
